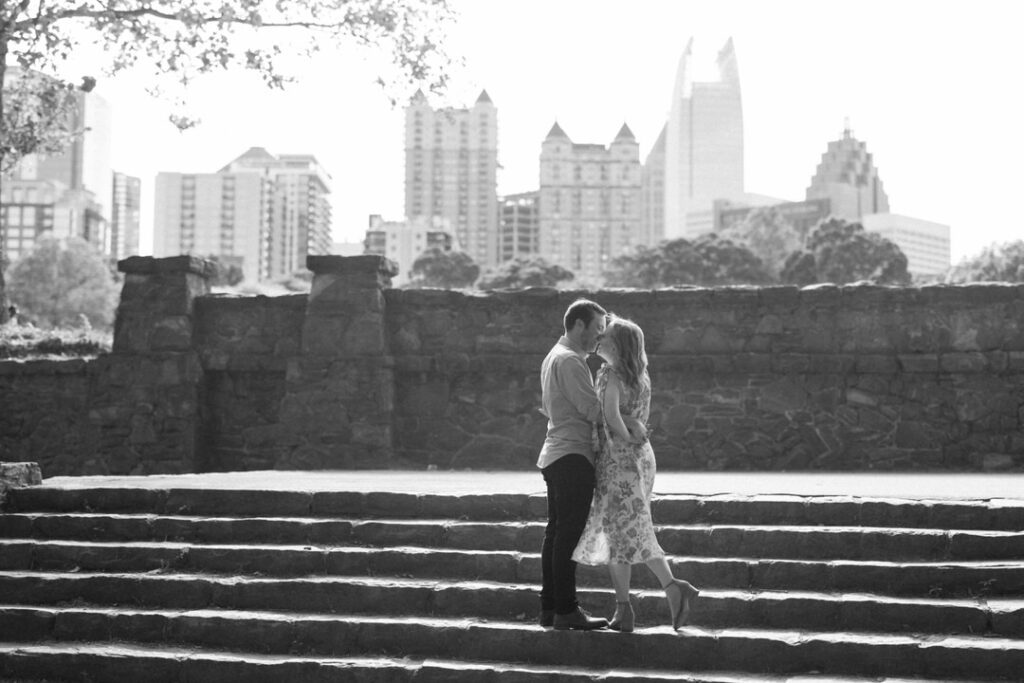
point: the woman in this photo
(619, 530)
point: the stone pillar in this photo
(149, 392)
(339, 402)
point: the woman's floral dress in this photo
(619, 528)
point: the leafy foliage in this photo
(841, 252)
(26, 341)
(39, 116)
(769, 236)
(436, 267)
(995, 263)
(189, 38)
(709, 261)
(520, 273)
(60, 282)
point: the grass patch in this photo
(26, 341)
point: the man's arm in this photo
(574, 376)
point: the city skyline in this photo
(934, 105)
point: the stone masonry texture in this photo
(359, 375)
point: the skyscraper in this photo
(847, 177)
(589, 202)
(519, 226)
(125, 216)
(451, 172)
(265, 212)
(703, 154)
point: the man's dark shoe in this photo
(578, 621)
(547, 618)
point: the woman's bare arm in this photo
(612, 417)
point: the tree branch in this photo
(143, 12)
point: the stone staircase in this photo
(132, 584)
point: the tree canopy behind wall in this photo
(995, 263)
(60, 281)
(707, 261)
(768, 235)
(840, 252)
(522, 272)
(437, 267)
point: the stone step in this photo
(162, 664)
(694, 649)
(777, 542)
(997, 514)
(513, 602)
(935, 579)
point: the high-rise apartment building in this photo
(31, 208)
(451, 172)
(924, 243)
(125, 216)
(702, 159)
(215, 214)
(847, 177)
(301, 213)
(268, 212)
(589, 202)
(404, 241)
(519, 226)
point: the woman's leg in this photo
(621, 575)
(678, 593)
(662, 571)
(623, 618)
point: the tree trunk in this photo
(4, 303)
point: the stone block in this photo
(367, 264)
(968, 362)
(877, 364)
(782, 396)
(919, 362)
(172, 333)
(148, 265)
(17, 474)
(679, 340)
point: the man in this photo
(567, 461)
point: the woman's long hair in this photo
(631, 363)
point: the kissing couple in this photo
(599, 467)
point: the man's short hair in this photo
(582, 309)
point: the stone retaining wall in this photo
(839, 378)
(359, 375)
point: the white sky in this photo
(933, 88)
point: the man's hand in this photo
(637, 429)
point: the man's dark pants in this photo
(570, 484)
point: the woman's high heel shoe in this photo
(680, 595)
(623, 619)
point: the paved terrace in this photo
(866, 485)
